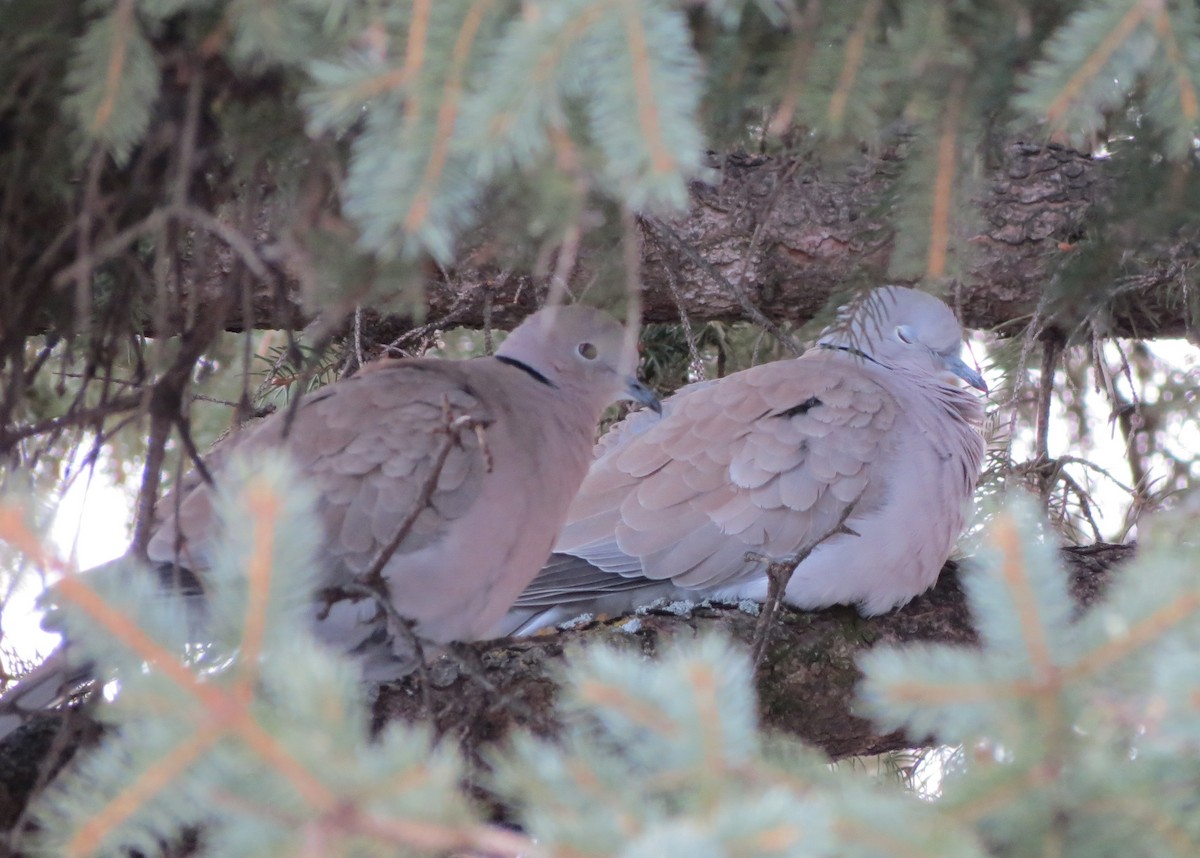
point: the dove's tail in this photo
(50, 684)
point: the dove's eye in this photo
(588, 351)
(906, 334)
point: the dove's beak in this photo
(971, 376)
(638, 392)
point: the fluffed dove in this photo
(368, 444)
(867, 434)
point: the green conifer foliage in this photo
(437, 108)
(146, 144)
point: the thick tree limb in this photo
(806, 682)
(775, 237)
(778, 237)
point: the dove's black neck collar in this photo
(849, 350)
(526, 368)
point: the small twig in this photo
(183, 426)
(1085, 505)
(403, 625)
(564, 264)
(350, 821)
(188, 135)
(156, 447)
(164, 399)
(1032, 331)
(462, 304)
(372, 583)
(467, 657)
(756, 315)
(236, 242)
(1131, 418)
(116, 245)
(1049, 472)
(270, 375)
(631, 254)
(1075, 460)
(71, 418)
(453, 427)
(83, 279)
(489, 345)
(764, 217)
(779, 573)
(1051, 351)
(358, 345)
(690, 335)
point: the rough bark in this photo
(781, 235)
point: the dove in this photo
(524, 422)
(855, 462)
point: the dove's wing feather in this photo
(764, 469)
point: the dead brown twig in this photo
(779, 573)
(755, 315)
(1052, 347)
(452, 427)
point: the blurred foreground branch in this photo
(481, 694)
(806, 683)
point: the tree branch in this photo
(805, 683)
(775, 238)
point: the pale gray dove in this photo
(368, 443)
(863, 450)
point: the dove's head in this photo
(900, 327)
(580, 350)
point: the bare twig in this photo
(1052, 347)
(405, 626)
(779, 573)
(1048, 473)
(115, 246)
(690, 335)
(358, 343)
(1029, 337)
(156, 446)
(83, 238)
(564, 264)
(183, 427)
(1085, 505)
(187, 138)
(74, 417)
(462, 303)
(453, 427)
(349, 821)
(164, 400)
(631, 253)
(1130, 417)
(236, 241)
(489, 344)
(1075, 460)
(755, 315)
